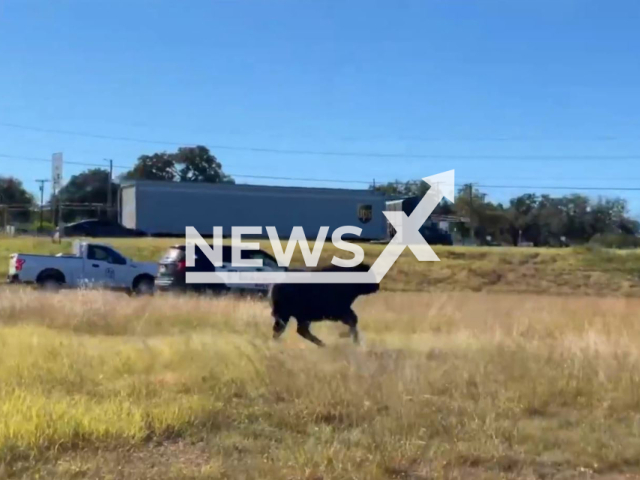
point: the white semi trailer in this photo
(166, 208)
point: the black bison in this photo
(315, 302)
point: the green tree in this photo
(523, 215)
(576, 209)
(188, 164)
(606, 215)
(629, 226)
(159, 166)
(552, 220)
(470, 202)
(574, 218)
(487, 219)
(12, 192)
(411, 188)
(390, 188)
(88, 187)
(542, 220)
(197, 164)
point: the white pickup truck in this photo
(91, 265)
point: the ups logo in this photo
(365, 213)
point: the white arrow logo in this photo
(407, 235)
(408, 228)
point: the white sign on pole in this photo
(56, 174)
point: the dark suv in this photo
(98, 228)
(436, 236)
(172, 271)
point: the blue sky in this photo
(482, 84)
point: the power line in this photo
(240, 175)
(299, 179)
(48, 160)
(402, 137)
(326, 153)
(362, 182)
(542, 187)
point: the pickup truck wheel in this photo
(49, 284)
(50, 280)
(143, 286)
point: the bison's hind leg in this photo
(304, 332)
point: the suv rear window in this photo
(173, 255)
(178, 254)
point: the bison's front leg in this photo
(304, 332)
(279, 326)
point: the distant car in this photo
(98, 228)
(172, 269)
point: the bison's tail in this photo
(275, 300)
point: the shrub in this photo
(614, 240)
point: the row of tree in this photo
(187, 164)
(540, 219)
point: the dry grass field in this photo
(446, 385)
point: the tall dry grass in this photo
(100, 385)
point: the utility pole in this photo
(109, 187)
(54, 205)
(56, 176)
(473, 236)
(41, 182)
